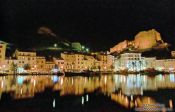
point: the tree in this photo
(14, 67)
(27, 67)
(112, 67)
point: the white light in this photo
(34, 82)
(82, 100)
(105, 79)
(54, 103)
(61, 81)
(82, 47)
(55, 45)
(172, 78)
(21, 91)
(87, 98)
(131, 97)
(87, 50)
(2, 84)
(141, 91)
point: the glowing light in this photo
(34, 82)
(2, 84)
(82, 47)
(61, 81)
(55, 78)
(55, 45)
(87, 49)
(20, 80)
(105, 79)
(131, 97)
(171, 103)
(160, 77)
(82, 100)
(20, 70)
(141, 91)
(87, 98)
(55, 70)
(21, 91)
(54, 103)
(172, 78)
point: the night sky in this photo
(99, 24)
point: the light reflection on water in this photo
(126, 90)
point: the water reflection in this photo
(128, 91)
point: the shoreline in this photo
(89, 73)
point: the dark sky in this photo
(99, 24)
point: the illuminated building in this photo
(165, 65)
(59, 62)
(104, 61)
(2, 51)
(69, 61)
(142, 41)
(130, 62)
(2, 57)
(49, 66)
(11, 65)
(76, 62)
(150, 62)
(40, 63)
(26, 58)
(79, 62)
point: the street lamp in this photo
(82, 47)
(87, 49)
(55, 45)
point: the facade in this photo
(75, 62)
(26, 58)
(165, 65)
(134, 62)
(82, 62)
(11, 66)
(2, 51)
(2, 57)
(40, 63)
(150, 62)
(60, 63)
(129, 62)
(69, 61)
(49, 66)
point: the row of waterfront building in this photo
(25, 62)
